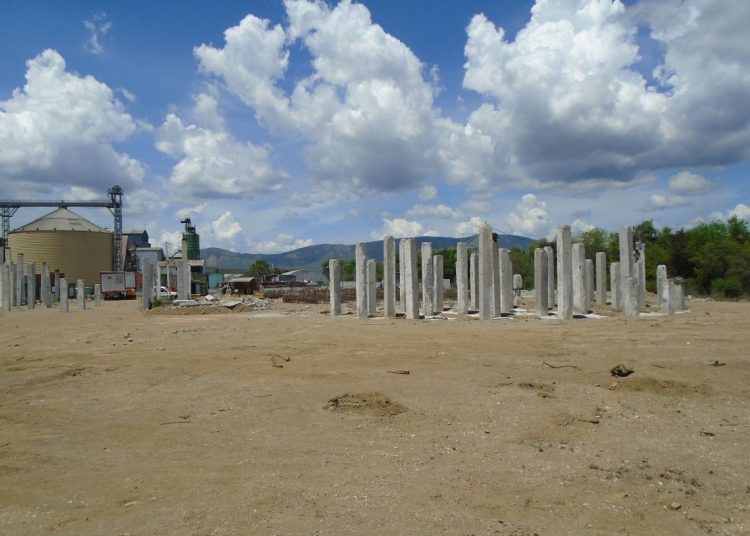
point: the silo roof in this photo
(61, 219)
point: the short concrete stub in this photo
(551, 287)
(580, 294)
(63, 295)
(670, 297)
(80, 295)
(97, 295)
(601, 278)
(564, 273)
(462, 278)
(360, 276)
(486, 255)
(147, 293)
(541, 281)
(474, 281)
(389, 277)
(334, 286)
(411, 279)
(438, 289)
(428, 307)
(615, 286)
(517, 288)
(630, 298)
(679, 292)
(372, 286)
(662, 289)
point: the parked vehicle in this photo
(164, 292)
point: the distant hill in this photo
(311, 257)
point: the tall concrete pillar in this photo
(679, 292)
(670, 296)
(63, 295)
(188, 279)
(540, 282)
(564, 273)
(31, 285)
(80, 295)
(627, 260)
(401, 275)
(601, 278)
(580, 294)
(517, 289)
(148, 285)
(56, 295)
(506, 281)
(462, 278)
(157, 278)
(13, 283)
(19, 280)
(438, 289)
(615, 285)
(428, 307)
(5, 284)
(372, 286)
(411, 279)
(589, 271)
(474, 281)
(630, 298)
(497, 285)
(97, 295)
(45, 290)
(363, 309)
(487, 252)
(334, 286)
(389, 277)
(551, 286)
(662, 289)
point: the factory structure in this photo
(77, 248)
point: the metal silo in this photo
(67, 242)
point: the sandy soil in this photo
(246, 423)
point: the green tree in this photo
(259, 268)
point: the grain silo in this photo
(67, 242)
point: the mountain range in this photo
(312, 257)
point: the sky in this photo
(279, 124)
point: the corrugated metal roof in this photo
(61, 219)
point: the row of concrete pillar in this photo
(19, 289)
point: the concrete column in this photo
(474, 281)
(45, 287)
(627, 261)
(601, 278)
(411, 279)
(188, 279)
(428, 307)
(81, 295)
(5, 285)
(363, 308)
(372, 286)
(506, 281)
(615, 285)
(551, 287)
(663, 290)
(541, 280)
(497, 285)
(157, 278)
(97, 295)
(517, 288)
(147, 293)
(670, 296)
(401, 276)
(641, 274)
(486, 254)
(63, 295)
(462, 278)
(438, 290)
(31, 285)
(389, 277)
(19, 280)
(589, 271)
(334, 286)
(564, 273)
(580, 294)
(679, 292)
(56, 295)
(13, 283)
(630, 298)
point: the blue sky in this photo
(275, 125)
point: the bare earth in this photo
(507, 427)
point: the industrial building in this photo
(67, 242)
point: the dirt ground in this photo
(289, 421)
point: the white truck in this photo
(117, 285)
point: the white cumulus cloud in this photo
(434, 211)
(283, 242)
(401, 228)
(663, 202)
(530, 217)
(226, 227)
(686, 183)
(469, 227)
